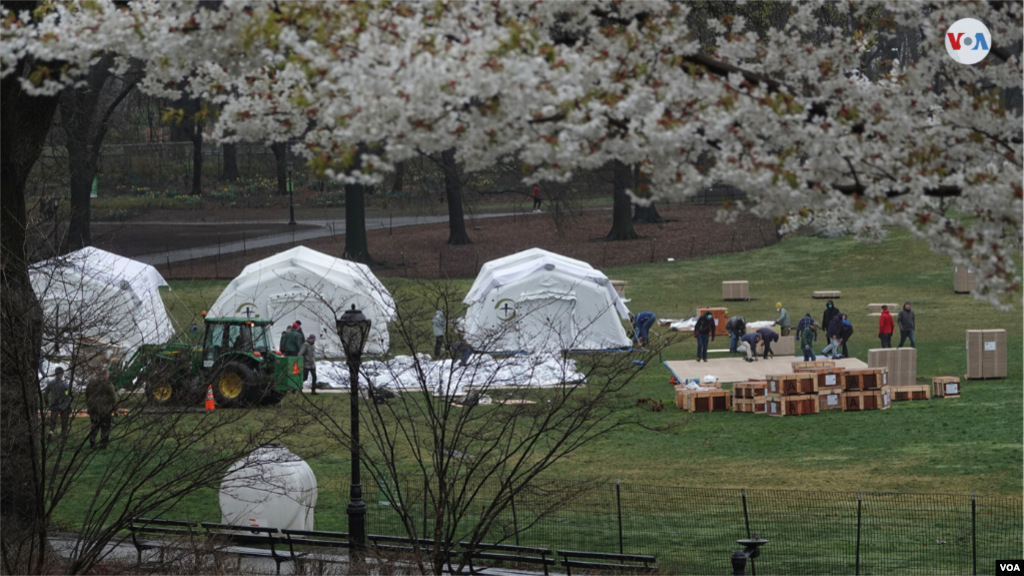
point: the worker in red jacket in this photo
(885, 327)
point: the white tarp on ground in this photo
(482, 373)
(536, 300)
(314, 288)
(98, 295)
(272, 487)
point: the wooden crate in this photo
(986, 354)
(707, 400)
(790, 384)
(827, 378)
(911, 392)
(750, 389)
(809, 366)
(822, 294)
(719, 315)
(750, 405)
(736, 290)
(792, 405)
(830, 399)
(946, 386)
(860, 400)
(877, 307)
(867, 379)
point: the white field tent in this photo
(536, 300)
(93, 294)
(314, 288)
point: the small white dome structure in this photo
(272, 487)
(98, 295)
(314, 288)
(537, 300)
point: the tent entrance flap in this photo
(546, 321)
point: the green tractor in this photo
(237, 361)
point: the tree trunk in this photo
(622, 217)
(648, 214)
(399, 181)
(280, 150)
(230, 162)
(356, 247)
(197, 159)
(457, 235)
(24, 123)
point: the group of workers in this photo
(100, 401)
(295, 343)
(838, 331)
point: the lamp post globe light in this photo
(353, 329)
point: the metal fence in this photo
(693, 530)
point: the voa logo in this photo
(968, 41)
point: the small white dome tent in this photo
(96, 295)
(314, 288)
(271, 488)
(536, 300)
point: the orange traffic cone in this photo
(210, 405)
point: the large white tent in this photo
(314, 288)
(93, 294)
(536, 300)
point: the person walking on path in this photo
(783, 321)
(905, 319)
(804, 323)
(291, 342)
(737, 328)
(885, 327)
(767, 337)
(704, 329)
(59, 391)
(748, 345)
(846, 332)
(642, 324)
(536, 198)
(100, 401)
(830, 313)
(308, 353)
(833, 334)
(807, 337)
(438, 327)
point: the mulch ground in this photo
(421, 251)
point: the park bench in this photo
(619, 563)
(504, 553)
(278, 545)
(156, 527)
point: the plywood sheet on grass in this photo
(736, 370)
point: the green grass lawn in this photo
(970, 444)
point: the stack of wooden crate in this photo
(792, 394)
(750, 396)
(900, 364)
(986, 354)
(830, 386)
(866, 390)
(736, 290)
(707, 398)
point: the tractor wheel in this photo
(165, 390)
(236, 385)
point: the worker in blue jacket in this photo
(642, 323)
(768, 336)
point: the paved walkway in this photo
(322, 229)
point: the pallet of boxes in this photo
(750, 397)
(900, 366)
(705, 395)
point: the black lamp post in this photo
(353, 328)
(291, 197)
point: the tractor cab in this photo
(236, 336)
